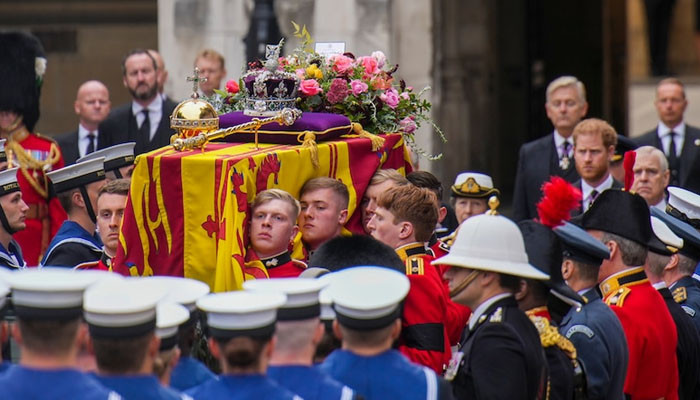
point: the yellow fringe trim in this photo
(377, 142)
(309, 141)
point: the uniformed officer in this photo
(119, 160)
(241, 327)
(298, 331)
(188, 372)
(683, 217)
(594, 329)
(121, 316)
(367, 303)
(48, 304)
(76, 187)
(544, 253)
(13, 211)
(663, 247)
(500, 355)
(621, 221)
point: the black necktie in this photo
(564, 160)
(145, 129)
(673, 161)
(91, 145)
(594, 195)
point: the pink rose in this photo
(358, 87)
(310, 87)
(405, 96)
(341, 63)
(370, 64)
(390, 97)
(380, 57)
(300, 72)
(232, 86)
(408, 125)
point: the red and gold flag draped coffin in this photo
(187, 213)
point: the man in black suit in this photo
(552, 154)
(594, 148)
(146, 120)
(679, 142)
(92, 106)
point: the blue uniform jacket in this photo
(601, 347)
(388, 375)
(686, 292)
(242, 387)
(189, 373)
(309, 382)
(6, 256)
(71, 246)
(141, 387)
(19, 382)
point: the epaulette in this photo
(497, 316)
(415, 266)
(618, 298)
(680, 294)
(550, 336)
(47, 138)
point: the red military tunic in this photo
(279, 266)
(45, 215)
(424, 338)
(652, 372)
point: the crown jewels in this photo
(269, 89)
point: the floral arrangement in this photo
(362, 88)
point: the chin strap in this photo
(6, 223)
(463, 285)
(88, 204)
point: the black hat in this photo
(620, 213)
(22, 66)
(691, 237)
(624, 144)
(579, 245)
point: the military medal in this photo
(564, 162)
(453, 367)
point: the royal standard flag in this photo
(187, 212)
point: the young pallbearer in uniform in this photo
(621, 221)
(367, 302)
(241, 328)
(76, 187)
(500, 355)
(13, 212)
(49, 331)
(122, 317)
(298, 332)
(273, 227)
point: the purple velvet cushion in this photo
(325, 126)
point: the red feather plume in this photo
(559, 199)
(628, 165)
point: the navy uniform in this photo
(241, 314)
(119, 160)
(685, 291)
(10, 257)
(302, 304)
(593, 328)
(367, 300)
(188, 373)
(665, 243)
(124, 310)
(73, 245)
(56, 296)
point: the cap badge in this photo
(470, 186)
(272, 262)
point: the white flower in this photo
(380, 57)
(40, 67)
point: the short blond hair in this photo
(276, 194)
(597, 127)
(324, 182)
(384, 175)
(566, 81)
(671, 81)
(210, 54)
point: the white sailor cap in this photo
(121, 309)
(8, 181)
(667, 242)
(77, 175)
(4, 291)
(184, 291)
(473, 184)
(367, 298)
(117, 156)
(3, 154)
(302, 296)
(684, 205)
(327, 312)
(241, 313)
(48, 293)
(169, 317)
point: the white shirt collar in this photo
(661, 205)
(586, 189)
(483, 307)
(664, 130)
(559, 140)
(659, 285)
(584, 291)
(155, 106)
